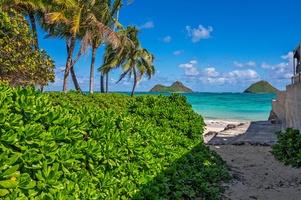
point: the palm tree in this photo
(134, 60)
(75, 18)
(104, 12)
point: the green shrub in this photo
(61, 146)
(288, 147)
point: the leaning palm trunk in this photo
(92, 69)
(135, 81)
(74, 79)
(69, 62)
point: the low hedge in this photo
(71, 146)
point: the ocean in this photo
(229, 106)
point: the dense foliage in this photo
(20, 63)
(288, 147)
(61, 146)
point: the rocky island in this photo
(261, 87)
(175, 87)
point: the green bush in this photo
(288, 147)
(61, 146)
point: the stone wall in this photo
(287, 106)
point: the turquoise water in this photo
(229, 106)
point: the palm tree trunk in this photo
(107, 82)
(34, 29)
(102, 89)
(75, 82)
(135, 82)
(42, 88)
(92, 69)
(70, 49)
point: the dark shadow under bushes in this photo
(196, 175)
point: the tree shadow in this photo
(196, 175)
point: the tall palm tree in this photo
(104, 12)
(134, 60)
(76, 17)
(115, 25)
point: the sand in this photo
(255, 172)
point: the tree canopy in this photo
(20, 62)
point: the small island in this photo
(261, 87)
(175, 87)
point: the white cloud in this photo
(194, 62)
(189, 68)
(251, 64)
(244, 74)
(283, 70)
(210, 72)
(167, 39)
(189, 65)
(178, 52)
(147, 25)
(212, 81)
(213, 77)
(199, 33)
(288, 56)
(191, 71)
(237, 64)
(248, 64)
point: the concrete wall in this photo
(287, 106)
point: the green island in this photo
(261, 87)
(175, 87)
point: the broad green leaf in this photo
(9, 184)
(3, 192)
(8, 173)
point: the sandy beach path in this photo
(255, 172)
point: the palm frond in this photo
(66, 3)
(55, 17)
(107, 33)
(123, 75)
(76, 20)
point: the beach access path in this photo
(246, 147)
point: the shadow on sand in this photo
(255, 133)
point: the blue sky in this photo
(210, 46)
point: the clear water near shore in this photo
(229, 106)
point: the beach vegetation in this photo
(103, 146)
(288, 147)
(21, 63)
(30, 9)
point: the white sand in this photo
(219, 125)
(255, 172)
